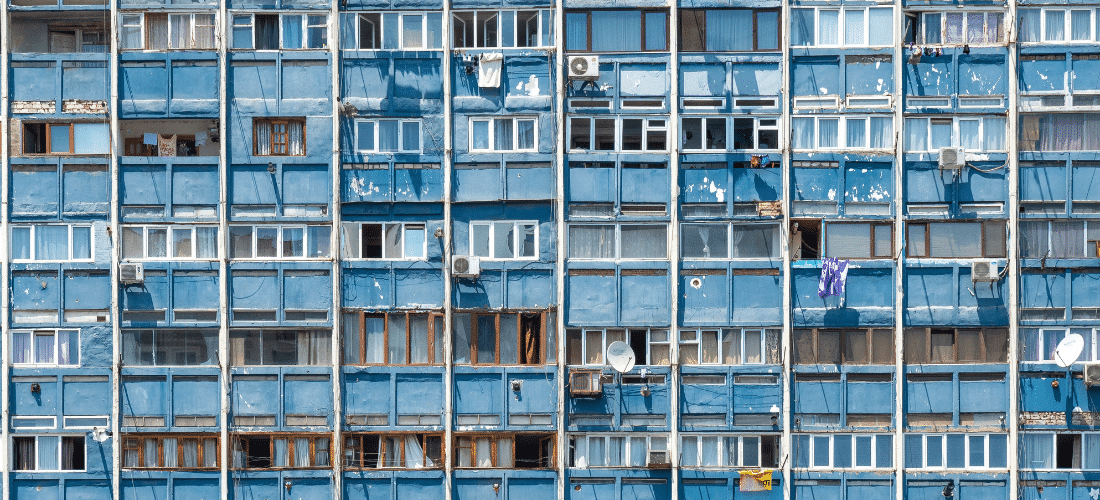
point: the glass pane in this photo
(853, 27)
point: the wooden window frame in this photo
(868, 333)
(127, 439)
(272, 122)
(926, 358)
(543, 315)
(494, 447)
(290, 452)
(871, 241)
(362, 315)
(755, 28)
(927, 225)
(49, 139)
(422, 437)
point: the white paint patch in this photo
(719, 194)
(832, 194)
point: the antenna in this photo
(620, 356)
(1069, 349)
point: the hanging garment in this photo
(488, 70)
(834, 273)
(166, 146)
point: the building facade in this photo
(297, 249)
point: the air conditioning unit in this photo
(984, 270)
(659, 459)
(131, 274)
(952, 159)
(586, 383)
(1091, 373)
(584, 67)
(464, 266)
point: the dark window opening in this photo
(1067, 451)
(534, 452)
(530, 327)
(806, 239)
(34, 139)
(638, 342)
(372, 241)
(267, 32)
(258, 450)
(72, 453)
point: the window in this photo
(949, 345)
(393, 240)
(46, 347)
(1060, 451)
(169, 347)
(184, 31)
(1060, 132)
(849, 347)
(503, 134)
(1038, 344)
(51, 243)
(388, 136)
(709, 134)
(836, 132)
(504, 239)
(714, 241)
(506, 28)
(616, 31)
(972, 133)
(292, 451)
(48, 453)
(618, 134)
(956, 451)
(66, 139)
(618, 241)
(395, 339)
(587, 346)
(1057, 25)
(1059, 239)
(956, 240)
(507, 451)
(393, 451)
(280, 347)
(279, 136)
(280, 242)
(729, 346)
(958, 28)
(729, 451)
(624, 450)
(729, 30)
(850, 240)
(176, 452)
(392, 31)
(504, 339)
(851, 27)
(843, 451)
(274, 31)
(169, 242)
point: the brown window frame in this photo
(641, 36)
(48, 126)
(986, 226)
(273, 143)
(464, 441)
(843, 354)
(354, 443)
(543, 320)
(871, 240)
(290, 444)
(362, 315)
(129, 440)
(702, 13)
(984, 340)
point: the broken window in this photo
(279, 242)
(391, 241)
(956, 240)
(75, 37)
(859, 240)
(729, 346)
(949, 345)
(169, 242)
(504, 339)
(1037, 345)
(388, 136)
(850, 27)
(843, 451)
(57, 243)
(714, 241)
(1049, 451)
(624, 450)
(65, 138)
(729, 30)
(503, 134)
(46, 347)
(504, 239)
(279, 136)
(587, 347)
(394, 339)
(183, 451)
(170, 347)
(274, 32)
(280, 347)
(393, 451)
(618, 241)
(729, 451)
(806, 239)
(956, 451)
(616, 31)
(505, 451)
(48, 453)
(850, 132)
(275, 451)
(850, 347)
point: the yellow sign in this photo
(756, 480)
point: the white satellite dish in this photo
(620, 356)
(1069, 349)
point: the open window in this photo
(501, 338)
(587, 346)
(806, 239)
(86, 138)
(393, 451)
(504, 451)
(271, 451)
(59, 32)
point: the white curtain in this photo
(828, 131)
(592, 242)
(151, 453)
(580, 452)
(857, 132)
(209, 452)
(1090, 451)
(828, 33)
(803, 133)
(297, 146)
(414, 453)
(418, 339)
(916, 136)
(21, 347)
(638, 451)
(204, 31)
(1067, 240)
(44, 348)
(644, 242)
(206, 242)
(321, 452)
(1056, 25)
(882, 133)
(853, 28)
(314, 348)
(994, 134)
(1033, 239)
(393, 453)
(240, 457)
(1029, 26)
(301, 453)
(484, 451)
(51, 242)
(156, 31)
(969, 136)
(280, 457)
(975, 28)
(1037, 451)
(954, 32)
(880, 26)
(263, 137)
(729, 30)
(180, 31)
(68, 342)
(190, 449)
(171, 453)
(689, 451)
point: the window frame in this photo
(641, 37)
(143, 30)
(605, 339)
(775, 240)
(1067, 26)
(986, 226)
(69, 242)
(755, 29)
(872, 241)
(1094, 244)
(686, 345)
(280, 242)
(944, 451)
(405, 227)
(1038, 336)
(541, 22)
(83, 447)
(926, 358)
(649, 126)
(313, 335)
(273, 141)
(241, 439)
(920, 28)
(653, 442)
(956, 132)
(170, 241)
(431, 337)
(48, 128)
(281, 45)
(377, 131)
(842, 351)
(842, 132)
(517, 238)
(491, 127)
(496, 439)
(841, 33)
(811, 451)
(354, 444)
(544, 338)
(618, 250)
(381, 30)
(33, 347)
(129, 439)
(159, 335)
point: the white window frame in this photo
(105, 424)
(51, 425)
(966, 452)
(841, 23)
(540, 17)
(810, 452)
(649, 124)
(69, 242)
(1086, 227)
(842, 132)
(400, 136)
(729, 244)
(723, 443)
(381, 28)
(653, 442)
(490, 123)
(517, 238)
(956, 138)
(703, 120)
(695, 344)
(986, 14)
(282, 44)
(1067, 28)
(618, 237)
(56, 346)
(280, 229)
(604, 342)
(170, 246)
(37, 453)
(357, 254)
(1052, 444)
(1036, 335)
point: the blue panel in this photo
(864, 490)
(704, 398)
(417, 78)
(982, 397)
(869, 288)
(1043, 290)
(144, 396)
(251, 291)
(86, 398)
(870, 397)
(306, 79)
(88, 291)
(143, 186)
(933, 76)
(643, 80)
(982, 75)
(421, 288)
(414, 488)
(869, 78)
(35, 291)
(34, 191)
(927, 185)
(633, 401)
(532, 488)
(983, 186)
(256, 397)
(195, 185)
(25, 402)
(144, 489)
(194, 291)
(756, 398)
(868, 183)
(256, 488)
(475, 488)
(1038, 395)
(991, 490)
(817, 492)
(529, 183)
(85, 190)
(366, 78)
(1085, 74)
(196, 396)
(813, 77)
(1083, 287)
(76, 489)
(1045, 183)
(192, 81)
(704, 491)
(307, 397)
(757, 79)
(594, 491)
(365, 185)
(478, 184)
(368, 489)
(307, 290)
(143, 81)
(925, 491)
(35, 84)
(478, 393)
(419, 394)
(196, 488)
(152, 294)
(757, 299)
(646, 491)
(706, 299)
(645, 185)
(252, 185)
(538, 394)
(815, 184)
(1086, 183)
(257, 80)
(1038, 76)
(591, 300)
(416, 184)
(929, 397)
(591, 184)
(756, 184)
(86, 83)
(703, 80)
(704, 185)
(366, 288)
(530, 289)
(307, 184)
(367, 393)
(645, 300)
(818, 397)
(931, 294)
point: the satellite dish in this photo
(620, 356)
(1069, 349)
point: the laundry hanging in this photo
(488, 70)
(834, 274)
